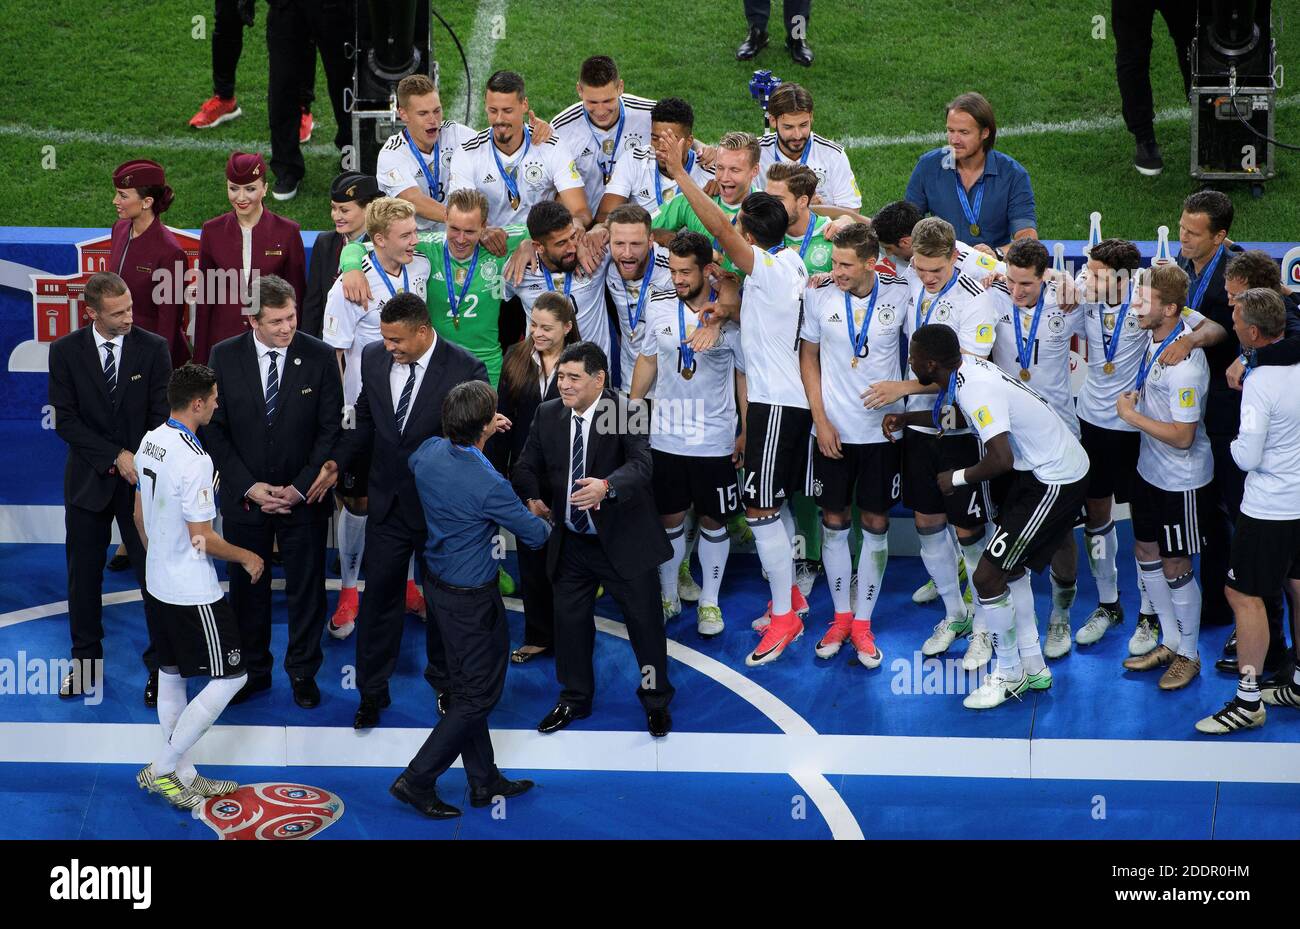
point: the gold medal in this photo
(855, 362)
(1024, 374)
(688, 373)
(974, 229)
(455, 321)
(514, 202)
(1109, 367)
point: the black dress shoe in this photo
(754, 43)
(1230, 646)
(151, 690)
(70, 686)
(442, 703)
(367, 714)
(659, 722)
(560, 717)
(483, 796)
(119, 562)
(519, 656)
(305, 692)
(427, 803)
(800, 53)
(1274, 662)
(252, 686)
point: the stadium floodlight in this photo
(1094, 232)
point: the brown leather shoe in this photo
(1158, 657)
(1181, 672)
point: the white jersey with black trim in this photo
(540, 172)
(634, 178)
(835, 182)
(352, 327)
(771, 312)
(177, 486)
(693, 416)
(995, 402)
(1175, 394)
(396, 169)
(587, 293)
(591, 146)
(962, 311)
(1268, 442)
(1049, 355)
(625, 295)
(825, 323)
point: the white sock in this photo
(691, 526)
(1146, 606)
(1162, 604)
(970, 555)
(1022, 600)
(871, 571)
(715, 545)
(352, 543)
(171, 703)
(773, 544)
(1185, 595)
(1062, 598)
(1103, 544)
(838, 563)
(936, 555)
(791, 530)
(1001, 620)
(668, 570)
(196, 719)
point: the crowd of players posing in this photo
(737, 288)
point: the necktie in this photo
(405, 403)
(579, 518)
(272, 388)
(110, 370)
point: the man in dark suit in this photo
(276, 425)
(404, 380)
(108, 387)
(587, 446)
(349, 195)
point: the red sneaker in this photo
(305, 127)
(216, 111)
(798, 603)
(839, 629)
(780, 632)
(414, 599)
(344, 619)
(865, 642)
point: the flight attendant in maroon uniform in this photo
(249, 238)
(143, 245)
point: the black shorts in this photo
(1265, 553)
(867, 475)
(707, 483)
(776, 454)
(1033, 520)
(1170, 518)
(202, 641)
(355, 481)
(924, 456)
(1113, 460)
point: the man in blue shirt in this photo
(464, 501)
(985, 194)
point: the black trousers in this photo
(389, 546)
(232, 16)
(583, 566)
(1131, 21)
(539, 599)
(477, 644)
(293, 27)
(758, 11)
(302, 546)
(88, 534)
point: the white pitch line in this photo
(481, 51)
(196, 143)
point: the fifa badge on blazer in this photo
(305, 391)
(136, 377)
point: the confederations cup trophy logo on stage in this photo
(271, 812)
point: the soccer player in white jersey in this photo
(392, 266)
(852, 330)
(555, 238)
(637, 266)
(790, 114)
(192, 626)
(638, 177)
(1167, 405)
(512, 168)
(893, 225)
(603, 127)
(1266, 539)
(693, 427)
(778, 421)
(1021, 435)
(1032, 342)
(946, 296)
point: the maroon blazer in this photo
(136, 260)
(277, 249)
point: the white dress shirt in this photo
(400, 372)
